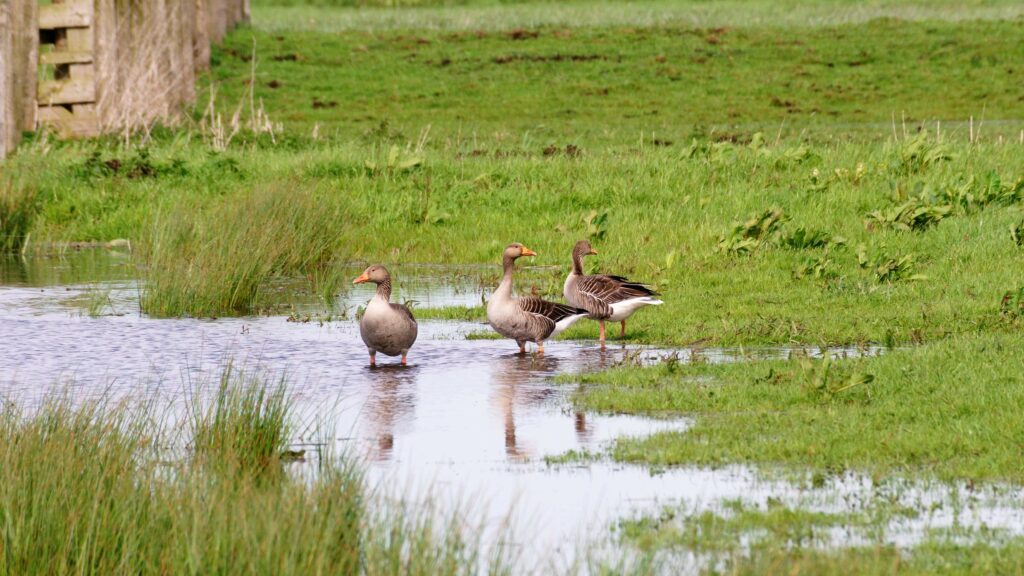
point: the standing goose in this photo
(611, 298)
(385, 327)
(527, 319)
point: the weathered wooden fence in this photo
(18, 48)
(85, 67)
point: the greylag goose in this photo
(526, 319)
(385, 327)
(605, 297)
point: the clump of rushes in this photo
(245, 425)
(98, 488)
(222, 261)
(18, 205)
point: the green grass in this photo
(225, 261)
(98, 488)
(473, 15)
(620, 87)
(226, 250)
(785, 173)
(947, 409)
(244, 427)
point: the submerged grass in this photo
(91, 488)
(742, 538)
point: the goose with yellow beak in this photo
(526, 319)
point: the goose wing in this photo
(546, 313)
(404, 311)
(600, 291)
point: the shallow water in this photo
(469, 421)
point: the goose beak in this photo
(361, 279)
(592, 252)
(528, 252)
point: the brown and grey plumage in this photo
(526, 319)
(385, 327)
(603, 296)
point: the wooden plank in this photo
(66, 91)
(68, 15)
(82, 73)
(79, 122)
(65, 57)
(80, 40)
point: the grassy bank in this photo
(101, 488)
(946, 409)
(897, 242)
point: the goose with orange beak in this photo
(526, 319)
(385, 327)
(606, 297)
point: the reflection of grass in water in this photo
(91, 488)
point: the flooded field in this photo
(469, 422)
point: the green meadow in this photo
(799, 174)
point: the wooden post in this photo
(8, 132)
(68, 100)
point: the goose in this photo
(605, 297)
(526, 319)
(385, 327)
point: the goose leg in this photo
(602, 332)
(373, 358)
(403, 357)
(522, 347)
(623, 334)
(540, 347)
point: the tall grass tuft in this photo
(245, 427)
(18, 207)
(100, 488)
(224, 260)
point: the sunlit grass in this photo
(221, 261)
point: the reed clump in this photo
(18, 207)
(223, 261)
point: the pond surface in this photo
(469, 421)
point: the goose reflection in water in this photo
(390, 404)
(514, 381)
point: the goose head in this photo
(583, 248)
(376, 274)
(517, 250)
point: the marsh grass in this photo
(99, 488)
(243, 425)
(945, 410)
(19, 204)
(223, 259)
